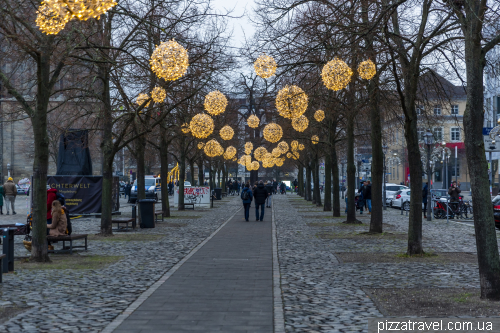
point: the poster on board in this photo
(199, 196)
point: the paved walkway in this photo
(226, 286)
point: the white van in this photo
(152, 187)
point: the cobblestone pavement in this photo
(320, 294)
(69, 300)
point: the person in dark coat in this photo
(283, 188)
(270, 190)
(367, 195)
(246, 196)
(260, 196)
(425, 192)
(275, 186)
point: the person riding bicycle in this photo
(454, 192)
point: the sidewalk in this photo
(226, 286)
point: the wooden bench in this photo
(67, 238)
(158, 212)
(2, 256)
(126, 221)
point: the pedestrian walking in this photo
(270, 190)
(1, 199)
(295, 185)
(454, 192)
(238, 186)
(275, 186)
(259, 195)
(425, 192)
(283, 188)
(246, 197)
(10, 193)
(367, 195)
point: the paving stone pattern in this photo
(88, 300)
(225, 287)
(320, 294)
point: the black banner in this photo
(82, 194)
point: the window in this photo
(455, 133)
(421, 133)
(455, 172)
(420, 109)
(437, 110)
(454, 109)
(438, 134)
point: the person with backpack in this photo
(260, 196)
(246, 196)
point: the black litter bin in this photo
(147, 209)
(218, 194)
(8, 249)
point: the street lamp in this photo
(429, 142)
(384, 150)
(446, 155)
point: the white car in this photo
(405, 195)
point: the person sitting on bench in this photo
(59, 222)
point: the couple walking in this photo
(259, 194)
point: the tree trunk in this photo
(41, 161)
(351, 171)
(335, 176)
(140, 180)
(165, 204)
(201, 173)
(317, 192)
(308, 196)
(313, 172)
(191, 167)
(327, 207)
(486, 239)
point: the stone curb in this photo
(279, 317)
(144, 296)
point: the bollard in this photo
(8, 249)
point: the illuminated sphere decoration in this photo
(215, 103)
(273, 132)
(279, 161)
(276, 152)
(230, 152)
(158, 94)
(283, 147)
(169, 61)
(294, 144)
(201, 126)
(259, 153)
(291, 102)
(82, 9)
(336, 74)
(185, 128)
(319, 115)
(301, 146)
(141, 99)
(201, 145)
(289, 155)
(50, 20)
(226, 133)
(367, 69)
(248, 148)
(265, 66)
(213, 148)
(234, 159)
(300, 124)
(295, 155)
(267, 156)
(314, 139)
(253, 121)
(255, 165)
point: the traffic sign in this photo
(488, 142)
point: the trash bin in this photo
(218, 194)
(8, 249)
(147, 209)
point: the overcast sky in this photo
(241, 26)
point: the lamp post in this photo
(429, 142)
(384, 150)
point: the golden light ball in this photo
(185, 128)
(201, 145)
(336, 74)
(294, 144)
(289, 155)
(201, 126)
(319, 115)
(226, 133)
(213, 148)
(367, 69)
(81, 9)
(215, 103)
(279, 161)
(158, 94)
(276, 152)
(169, 61)
(291, 102)
(248, 148)
(283, 146)
(301, 147)
(255, 165)
(265, 66)
(314, 139)
(230, 153)
(50, 20)
(141, 98)
(272, 132)
(259, 153)
(300, 124)
(253, 121)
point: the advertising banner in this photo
(199, 196)
(82, 194)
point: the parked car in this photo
(152, 186)
(405, 195)
(20, 190)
